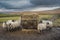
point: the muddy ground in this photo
(54, 34)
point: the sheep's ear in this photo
(40, 21)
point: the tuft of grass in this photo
(57, 22)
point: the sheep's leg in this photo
(21, 27)
(5, 29)
(49, 28)
(39, 31)
(17, 28)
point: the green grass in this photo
(5, 17)
(2, 19)
(57, 22)
(8, 15)
(45, 17)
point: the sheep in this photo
(16, 24)
(6, 24)
(41, 26)
(11, 24)
(44, 25)
(49, 24)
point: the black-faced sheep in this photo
(41, 26)
(6, 25)
(44, 25)
(11, 25)
(49, 24)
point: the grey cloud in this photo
(26, 4)
(16, 4)
(45, 2)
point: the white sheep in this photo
(48, 23)
(16, 24)
(11, 24)
(6, 24)
(41, 27)
(44, 25)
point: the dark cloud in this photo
(21, 4)
(17, 4)
(26, 4)
(45, 2)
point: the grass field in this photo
(8, 15)
(5, 17)
(57, 22)
(2, 19)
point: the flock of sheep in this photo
(16, 24)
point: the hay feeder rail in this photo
(29, 21)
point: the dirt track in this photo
(54, 34)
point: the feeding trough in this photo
(29, 21)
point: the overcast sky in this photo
(21, 5)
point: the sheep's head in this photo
(47, 23)
(40, 21)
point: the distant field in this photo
(8, 15)
(57, 22)
(5, 17)
(2, 19)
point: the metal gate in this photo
(29, 21)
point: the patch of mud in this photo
(54, 34)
